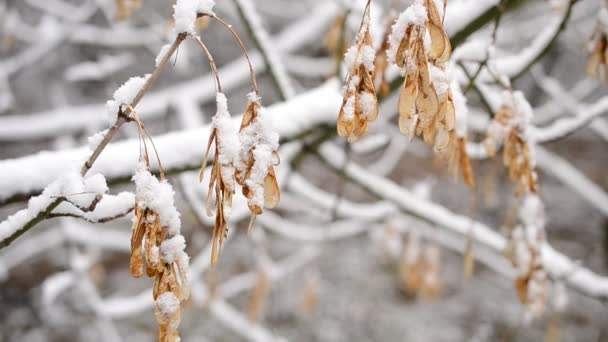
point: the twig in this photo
(122, 118)
(261, 40)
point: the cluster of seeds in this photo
(458, 158)
(360, 104)
(420, 268)
(510, 127)
(525, 252)
(157, 248)
(246, 158)
(420, 47)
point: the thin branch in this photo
(122, 118)
(261, 40)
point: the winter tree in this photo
(354, 170)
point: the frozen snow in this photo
(125, 95)
(157, 196)
(415, 14)
(172, 249)
(185, 14)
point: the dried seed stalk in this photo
(509, 126)
(247, 158)
(257, 158)
(157, 247)
(222, 180)
(458, 160)
(426, 106)
(360, 103)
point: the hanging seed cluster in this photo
(360, 104)
(458, 158)
(157, 249)
(510, 127)
(420, 47)
(246, 158)
(257, 158)
(525, 252)
(222, 181)
(420, 268)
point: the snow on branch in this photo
(82, 193)
(557, 264)
(54, 122)
(258, 33)
(305, 111)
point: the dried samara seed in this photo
(222, 180)
(257, 158)
(157, 247)
(510, 127)
(360, 104)
(426, 106)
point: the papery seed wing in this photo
(138, 226)
(206, 157)
(359, 130)
(438, 43)
(367, 80)
(427, 102)
(449, 114)
(447, 51)
(272, 193)
(248, 115)
(254, 208)
(136, 262)
(442, 140)
(428, 134)
(465, 163)
(401, 55)
(407, 98)
(276, 158)
(433, 12)
(212, 181)
(345, 127)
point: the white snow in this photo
(65, 185)
(167, 305)
(228, 141)
(349, 109)
(415, 14)
(461, 109)
(125, 95)
(161, 54)
(439, 78)
(275, 62)
(368, 57)
(532, 211)
(95, 139)
(157, 196)
(264, 142)
(185, 14)
(172, 249)
(368, 104)
(105, 66)
(559, 296)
